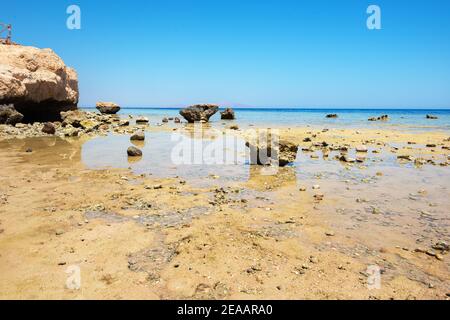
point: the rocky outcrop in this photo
(107, 107)
(267, 150)
(9, 115)
(228, 114)
(199, 113)
(37, 82)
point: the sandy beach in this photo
(309, 232)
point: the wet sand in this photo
(152, 230)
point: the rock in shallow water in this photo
(228, 114)
(138, 136)
(108, 107)
(134, 152)
(199, 113)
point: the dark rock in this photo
(332, 116)
(49, 128)
(381, 118)
(165, 120)
(107, 107)
(228, 114)
(9, 115)
(199, 113)
(138, 136)
(177, 120)
(142, 120)
(431, 117)
(134, 152)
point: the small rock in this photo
(49, 128)
(134, 152)
(330, 234)
(138, 136)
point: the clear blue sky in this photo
(315, 53)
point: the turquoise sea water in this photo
(414, 119)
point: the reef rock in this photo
(9, 115)
(199, 113)
(228, 114)
(108, 107)
(37, 82)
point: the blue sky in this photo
(281, 53)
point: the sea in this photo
(413, 119)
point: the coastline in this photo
(140, 234)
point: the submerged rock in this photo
(431, 117)
(332, 116)
(228, 114)
(37, 82)
(9, 115)
(107, 107)
(199, 113)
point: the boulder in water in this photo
(108, 107)
(199, 113)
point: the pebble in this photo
(303, 189)
(316, 187)
(330, 234)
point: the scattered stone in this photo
(165, 120)
(177, 120)
(431, 145)
(319, 197)
(199, 113)
(332, 116)
(234, 127)
(330, 234)
(228, 114)
(316, 187)
(142, 120)
(49, 128)
(134, 152)
(432, 117)
(381, 118)
(138, 136)
(303, 189)
(107, 107)
(362, 149)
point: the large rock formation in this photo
(199, 112)
(9, 115)
(37, 82)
